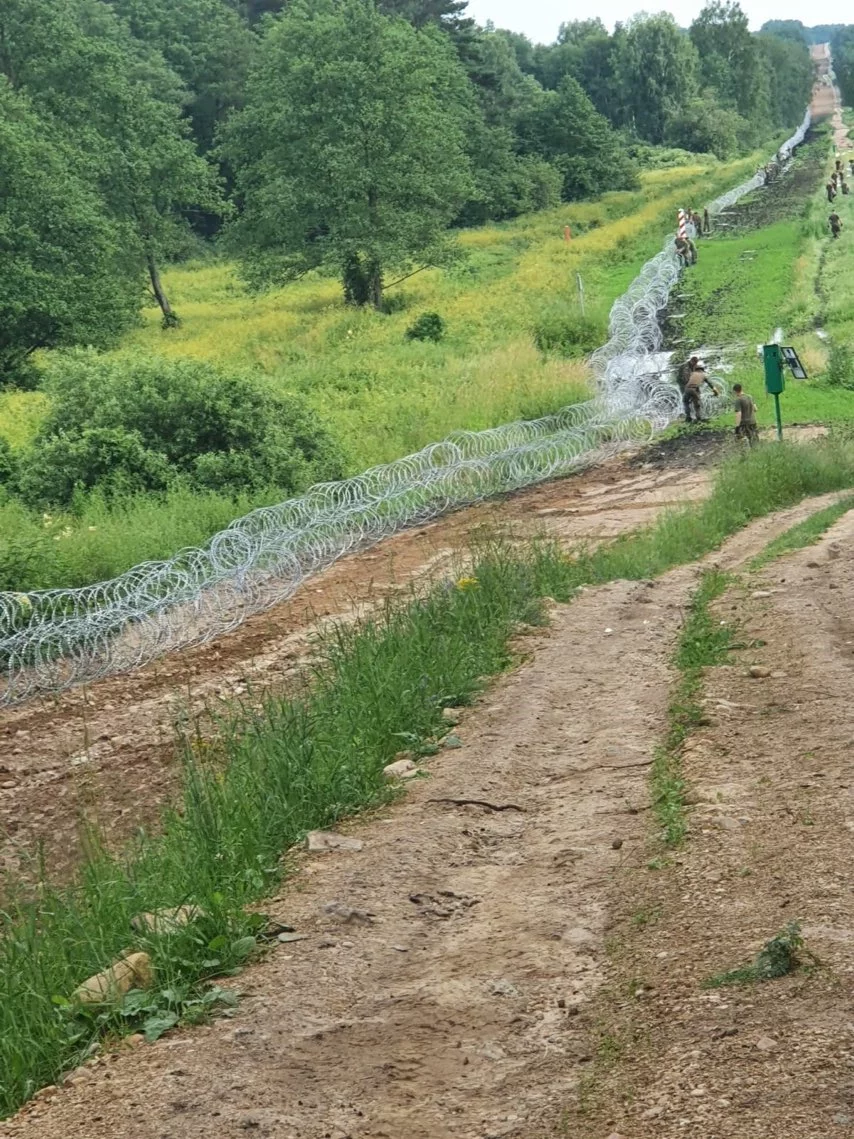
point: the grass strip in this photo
(704, 641)
(307, 760)
(805, 533)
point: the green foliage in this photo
(656, 65)
(104, 537)
(428, 326)
(842, 47)
(65, 275)
(8, 463)
(114, 460)
(207, 45)
(805, 533)
(128, 425)
(350, 152)
(703, 125)
(730, 59)
(119, 107)
(563, 330)
(777, 958)
(840, 366)
(790, 73)
(565, 128)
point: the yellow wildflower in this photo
(467, 583)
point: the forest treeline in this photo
(340, 134)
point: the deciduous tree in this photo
(350, 151)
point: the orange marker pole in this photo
(567, 233)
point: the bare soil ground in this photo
(504, 984)
(107, 752)
(770, 842)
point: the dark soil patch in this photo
(784, 197)
(691, 447)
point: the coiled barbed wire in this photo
(52, 639)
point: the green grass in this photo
(43, 551)
(382, 395)
(309, 759)
(788, 274)
(703, 642)
(805, 533)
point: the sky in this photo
(540, 19)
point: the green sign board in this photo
(773, 358)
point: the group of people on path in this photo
(692, 377)
(837, 185)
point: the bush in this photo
(840, 366)
(8, 466)
(110, 458)
(126, 425)
(566, 332)
(428, 326)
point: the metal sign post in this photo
(776, 358)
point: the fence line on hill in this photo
(52, 639)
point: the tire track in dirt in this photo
(771, 840)
(467, 1007)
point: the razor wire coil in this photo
(52, 639)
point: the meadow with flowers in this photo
(513, 346)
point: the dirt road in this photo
(770, 842)
(826, 101)
(484, 997)
(107, 752)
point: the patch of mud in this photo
(692, 448)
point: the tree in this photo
(842, 46)
(786, 30)
(703, 125)
(566, 129)
(350, 151)
(730, 59)
(655, 67)
(420, 13)
(66, 278)
(206, 43)
(120, 107)
(787, 64)
(584, 50)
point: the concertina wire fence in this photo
(52, 639)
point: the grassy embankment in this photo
(383, 396)
(788, 274)
(309, 759)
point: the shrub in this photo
(840, 366)
(565, 331)
(428, 326)
(8, 466)
(125, 425)
(110, 458)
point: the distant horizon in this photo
(540, 20)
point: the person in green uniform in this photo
(691, 395)
(745, 416)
